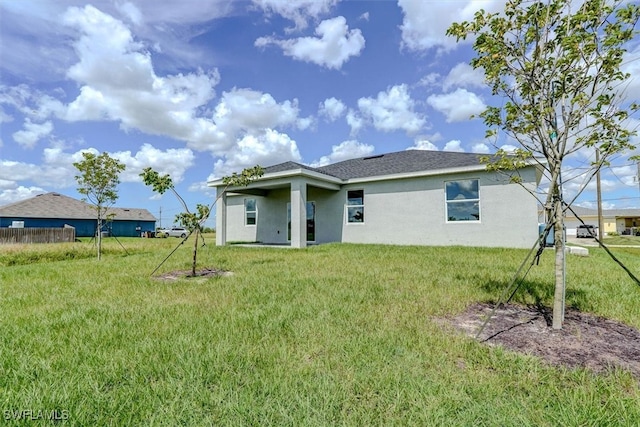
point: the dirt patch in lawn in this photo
(585, 340)
(205, 273)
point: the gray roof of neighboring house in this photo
(55, 205)
(388, 164)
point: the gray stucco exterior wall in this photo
(408, 211)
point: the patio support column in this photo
(298, 213)
(221, 219)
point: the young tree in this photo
(557, 63)
(193, 221)
(98, 178)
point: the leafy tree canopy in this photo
(98, 178)
(557, 65)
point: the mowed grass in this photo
(331, 335)
(622, 240)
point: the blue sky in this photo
(200, 89)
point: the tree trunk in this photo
(99, 237)
(559, 293)
(195, 252)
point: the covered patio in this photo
(285, 193)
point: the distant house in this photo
(56, 210)
(621, 221)
(411, 197)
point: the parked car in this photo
(173, 232)
(586, 230)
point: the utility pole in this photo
(599, 196)
(160, 216)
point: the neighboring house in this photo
(410, 197)
(56, 210)
(621, 221)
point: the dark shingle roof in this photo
(55, 205)
(388, 164)
(400, 162)
(287, 166)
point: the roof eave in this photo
(300, 172)
(417, 174)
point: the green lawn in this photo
(622, 240)
(330, 335)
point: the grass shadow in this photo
(533, 293)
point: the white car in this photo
(173, 232)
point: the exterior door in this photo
(311, 221)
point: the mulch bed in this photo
(585, 340)
(204, 273)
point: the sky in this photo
(200, 89)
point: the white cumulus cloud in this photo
(57, 171)
(480, 148)
(32, 133)
(392, 110)
(246, 111)
(464, 75)
(457, 106)
(18, 194)
(298, 11)
(425, 23)
(423, 144)
(454, 145)
(131, 12)
(332, 109)
(508, 148)
(346, 150)
(333, 47)
(118, 83)
(4, 117)
(355, 121)
(264, 148)
(173, 161)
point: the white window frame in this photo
(246, 212)
(347, 206)
(448, 202)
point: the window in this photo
(250, 212)
(355, 206)
(463, 200)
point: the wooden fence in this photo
(37, 235)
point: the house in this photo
(411, 197)
(55, 210)
(621, 221)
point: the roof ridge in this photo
(281, 165)
(22, 201)
(409, 161)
